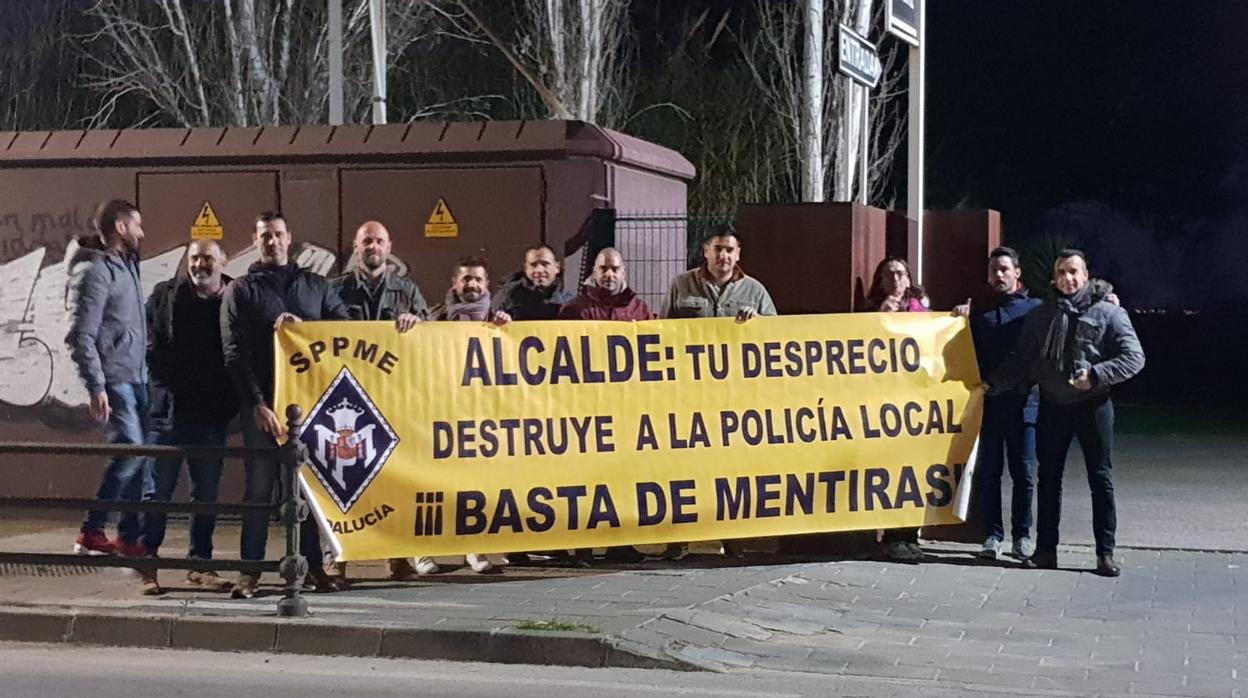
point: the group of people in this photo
(178, 367)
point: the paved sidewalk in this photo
(1175, 623)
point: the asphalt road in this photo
(60, 671)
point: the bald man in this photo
(193, 398)
(372, 291)
(370, 288)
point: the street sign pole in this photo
(914, 170)
(335, 63)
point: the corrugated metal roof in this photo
(483, 141)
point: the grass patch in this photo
(557, 626)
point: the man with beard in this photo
(274, 290)
(193, 399)
(107, 342)
(1076, 347)
(371, 291)
(535, 293)
(468, 300)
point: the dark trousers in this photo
(1092, 421)
(261, 476)
(205, 476)
(1005, 438)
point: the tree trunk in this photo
(810, 148)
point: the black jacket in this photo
(252, 304)
(519, 298)
(185, 358)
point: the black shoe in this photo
(624, 553)
(1041, 561)
(1106, 567)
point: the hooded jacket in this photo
(519, 298)
(107, 337)
(1098, 337)
(185, 356)
(251, 305)
(596, 303)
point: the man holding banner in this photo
(272, 292)
(718, 288)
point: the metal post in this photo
(335, 63)
(914, 174)
(864, 154)
(293, 566)
(377, 24)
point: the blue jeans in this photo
(124, 477)
(205, 483)
(260, 477)
(1092, 422)
(1006, 437)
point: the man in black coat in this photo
(193, 399)
(274, 290)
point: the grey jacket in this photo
(107, 337)
(694, 295)
(1104, 342)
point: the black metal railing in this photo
(291, 508)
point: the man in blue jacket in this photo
(1076, 347)
(107, 341)
(1008, 434)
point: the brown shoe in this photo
(320, 582)
(148, 584)
(209, 580)
(401, 569)
(245, 588)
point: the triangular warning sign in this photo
(441, 213)
(207, 218)
(442, 223)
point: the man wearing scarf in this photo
(1076, 347)
(468, 300)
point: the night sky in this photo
(1119, 124)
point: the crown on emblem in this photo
(344, 415)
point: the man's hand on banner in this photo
(963, 310)
(745, 313)
(500, 318)
(406, 322)
(267, 421)
(285, 318)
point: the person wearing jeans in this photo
(1076, 347)
(274, 290)
(107, 343)
(192, 396)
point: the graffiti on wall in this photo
(35, 368)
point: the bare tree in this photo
(236, 62)
(569, 51)
(778, 58)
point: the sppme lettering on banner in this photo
(458, 437)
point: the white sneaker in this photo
(479, 563)
(991, 549)
(426, 565)
(1023, 548)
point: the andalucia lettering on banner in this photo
(466, 437)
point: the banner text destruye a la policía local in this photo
(466, 437)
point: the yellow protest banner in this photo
(466, 437)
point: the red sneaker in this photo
(134, 548)
(94, 542)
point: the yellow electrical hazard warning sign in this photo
(441, 223)
(206, 226)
